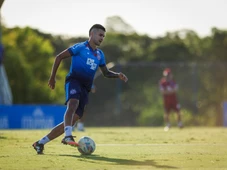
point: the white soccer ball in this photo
(86, 145)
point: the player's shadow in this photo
(120, 161)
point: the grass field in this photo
(119, 148)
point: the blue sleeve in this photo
(75, 49)
(102, 60)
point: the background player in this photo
(86, 58)
(168, 88)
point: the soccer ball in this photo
(86, 145)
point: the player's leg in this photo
(57, 131)
(73, 96)
(167, 108)
(80, 110)
(166, 119)
(72, 105)
(180, 124)
(80, 123)
(71, 108)
(179, 118)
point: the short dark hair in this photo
(97, 26)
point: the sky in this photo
(151, 17)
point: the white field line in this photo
(162, 144)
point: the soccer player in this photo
(168, 88)
(86, 58)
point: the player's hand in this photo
(169, 89)
(123, 77)
(51, 83)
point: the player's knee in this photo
(72, 105)
(75, 119)
(178, 113)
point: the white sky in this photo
(152, 17)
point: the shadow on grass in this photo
(2, 137)
(120, 161)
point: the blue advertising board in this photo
(30, 116)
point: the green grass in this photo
(119, 148)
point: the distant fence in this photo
(30, 116)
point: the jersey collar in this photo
(88, 45)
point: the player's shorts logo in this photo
(73, 91)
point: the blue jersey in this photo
(84, 64)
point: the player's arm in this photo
(172, 89)
(164, 91)
(175, 89)
(64, 54)
(111, 74)
(167, 90)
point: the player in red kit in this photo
(168, 88)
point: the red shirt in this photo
(168, 85)
(170, 100)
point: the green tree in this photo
(116, 24)
(28, 62)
